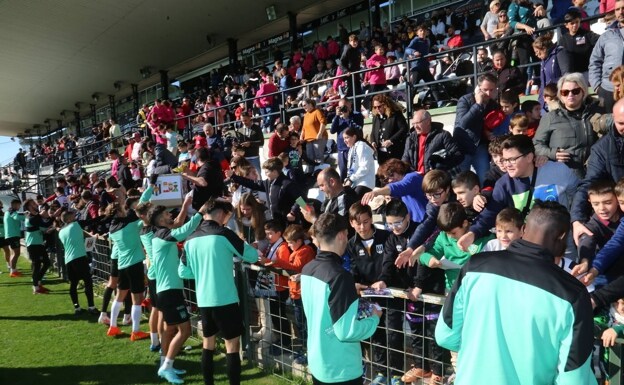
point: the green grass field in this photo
(43, 342)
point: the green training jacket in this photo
(13, 224)
(165, 254)
(72, 238)
(34, 226)
(208, 258)
(516, 318)
(330, 303)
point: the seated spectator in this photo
(509, 78)
(279, 140)
(519, 125)
(565, 134)
(360, 162)
(430, 147)
(392, 72)
(466, 187)
(484, 63)
(533, 111)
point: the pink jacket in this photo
(266, 101)
(607, 6)
(377, 76)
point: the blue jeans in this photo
(267, 118)
(480, 161)
(342, 163)
(300, 320)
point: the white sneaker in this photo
(103, 319)
(127, 320)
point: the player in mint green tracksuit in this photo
(169, 285)
(12, 231)
(124, 232)
(72, 237)
(208, 259)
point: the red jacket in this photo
(277, 145)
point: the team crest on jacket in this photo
(361, 253)
(399, 248)
(379, 249)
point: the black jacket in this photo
(350, 59)
(340, 205)
(423, 277)
(281, 193)
(574, 57)
(469, 118)
(393, 128)
(606, 161)
(510, 79)
(124, 176)
(366, 263)
(164, 157)
(589, 246)
(441, 151)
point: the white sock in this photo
(136, 317)
(35, 288)
(115, 309)
(12, 269)
(154, 338)
(162, 360)
(167, 364)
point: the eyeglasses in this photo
(434, 195)
(512, 161)
(396, 225)
(574, 91)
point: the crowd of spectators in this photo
(565, 147)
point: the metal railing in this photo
(275, 337)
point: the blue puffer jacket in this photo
(608, 54)
(606, 161)
(550, 71)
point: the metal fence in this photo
(275, 334)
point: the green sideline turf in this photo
(43, 342)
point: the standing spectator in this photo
(392, 72)
(377, 77)
(547, 52)
(350, 62)
(334, 357)
(566, 134)
(517, 282)
(469, 124)
(523, 17)
(314, 132)
(115, 134)
(577, 43)
(389, 128)
(490, 20)
(418, 48)
(249, 136)
(607, 55)
(344, 119)
(124, 175)
(430, 147)
(266, 102)
(508, 78)
(19, 163)
(208, 184)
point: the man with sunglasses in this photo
(523, 183)
(607, 55)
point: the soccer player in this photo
(72, 238)
(35, 245)
(12, 230)
(169, 285)
(208, 259)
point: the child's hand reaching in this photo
(608, 337)
(434, 263)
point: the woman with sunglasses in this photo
(565, 134)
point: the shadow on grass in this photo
(113, 374)
(52, 317)
(76, 375)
